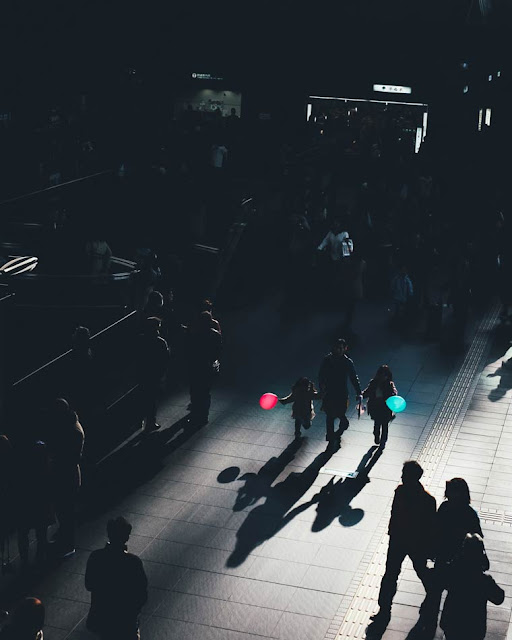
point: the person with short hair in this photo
(118, 585)
(410, 534)
(336, 369)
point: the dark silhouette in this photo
(83, 383)
(464, 614)
(335, 371)
(152, 361)
(26, 621)
(33, 499)
(302, 395)
(454, 519)
(6, 506)
(65, 444)
(204, 352)
(118, 585)
(334, 498)
(264, 521)
(380, 388)
(410, 534)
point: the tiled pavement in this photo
(236, 543)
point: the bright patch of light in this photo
(466, 89)
(480, 116)
(488, 117)
(308, 111)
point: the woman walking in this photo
(379, 389)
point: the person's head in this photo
(28, 617)
(411, 472)
(402, 270)
(473, 552)
(336, 225)
(81, 338)
(302, 384)
(233, 111)
(206, 305)
(457, 490)
(61, 406)
(339, 347)
(118, 530)
(152, 326)
(384, 373)
(155, 300)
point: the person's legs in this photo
(388, 585)
(376, 432)
(65, 510)
(429, 610)
(384, 433)
(329, 423)
(200, 396)
(297, 427)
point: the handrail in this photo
(63, 355)
(57, 186)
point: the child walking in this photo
(379, 389)
(302, 395)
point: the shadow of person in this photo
(257, 485)
(264, 521)
(334, 498)
(505, 383)
(375, 631)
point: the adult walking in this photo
(454, 520)
(469, 588)
(118, 585)
(379, 389)
(335, 371)
(204, 352)
(152, 361)
(410, 534)
(65, 442)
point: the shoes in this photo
(376, 439)
(297, 435)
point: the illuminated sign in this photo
(205, 76)
(391, 88)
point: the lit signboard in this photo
(391, 88)
(205, 76)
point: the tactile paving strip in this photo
(432, 451)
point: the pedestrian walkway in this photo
(238, 539)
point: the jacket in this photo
(302, 408)
(412, 516)
(377, 395)
(453, 521)
(335, 372)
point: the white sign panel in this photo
(391, 88)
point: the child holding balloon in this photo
(302, 395)
(379, 389)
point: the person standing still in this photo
(335, 371)
(118, 585)
(410, 534)
(152, 361)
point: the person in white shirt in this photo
(337, 242)
(219, 155)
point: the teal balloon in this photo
(396, 403)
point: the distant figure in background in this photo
(99, 256)
(469, 588)
(380, 388)
(154, 306)
(6, 494)
(401, 293)
(204, 352)
(302, 395)
(65, 443)
(118, 585)
(219, 154)
(26, 621)
(352, 290)
(410, 534)
(33, 499)
(335, 372)
(152, 361)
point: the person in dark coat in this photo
(469, 588)
(65, 443)
(380, 388)
(454, 520)
(410, 534)
(26, 621)
(118, 585)
(152, 361)
(336, 369)
(302, 395)
(33, 499)
(204, 352)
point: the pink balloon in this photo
(268, 401)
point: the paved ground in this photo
(237, 540)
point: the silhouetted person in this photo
(6, 506)
(33, 499)
(454, 519)
(155, 305)
(336, 369)
(118, 585)
(410, 534)
(83, 380)
(26, 621)
(380, 388)
(302, 395)
(204, 352)
(469, 588)
(65, 444)
(152, 361)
